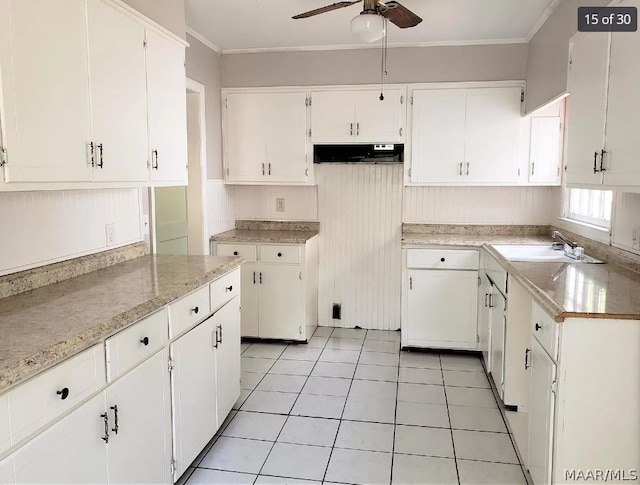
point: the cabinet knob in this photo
(235, 253)
(229, 288)
(63, 393)
(538, 326)
(279, 255)
(145, 341)
(195, 310)
(442, 260)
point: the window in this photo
(590, 206)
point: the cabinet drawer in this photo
(545, 329)
(224, 289)
(443, 258)
(189, 310)
(131, 346)
(247, 251)
(39, 401)
(279, 254)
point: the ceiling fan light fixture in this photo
(368, 26)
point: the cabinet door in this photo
(587, 85)
(623, 105)
(379, 121)
(286, 134)
(5, 428)
(498, 327)
(437, 138)
(71, 451)
(281, 300)
(246, 137)
(333, 117)
(45, 88)
(484, 322)
(118, 94)
(194, 392)
(544, 155)
(492, 130)
(442, 308)
(250, 284)
(541, 414)
(167, 109)
(227, 319)
(139, 408)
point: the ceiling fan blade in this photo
(399, 15)
(328, 8)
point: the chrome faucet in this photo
(571, 248)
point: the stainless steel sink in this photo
(539, 254)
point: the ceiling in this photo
(257, 25)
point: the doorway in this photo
(180, 212)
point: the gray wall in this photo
(168, 13)
(204, 66)
(362, 66)
(549, 53)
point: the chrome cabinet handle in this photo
(105, 418)
(254, 277)
(602, 154)
(263, 169)
(351, 130)
(527, 365)
(220, 327)
(461, 169)
(115, 417)
(100, 164)
(269, 169)
(468, 168)
(358, 129)
(214, 338)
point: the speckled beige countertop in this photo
(42, 327)
(261, 236)
(564, 290)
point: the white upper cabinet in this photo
(604, 73)
(45, 90)
(544, 157)
(437, 136)
(587, 85)
(621, 164)
(118, 94)
(357, 116)
(167, 109)
(266, 138)
(465, 136)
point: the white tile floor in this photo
(351, 408)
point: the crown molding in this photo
(203, 39)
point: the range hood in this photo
(358, 153)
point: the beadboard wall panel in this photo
(49, 226)
(626, 222)
(259, 203)
(478, 205)
(221, 207)
(360, 209)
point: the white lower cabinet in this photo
(7, 473)
(206, 381)
(498, 319)
(194, 392)
(440, 299)
(279, 288)
(139, 412)
(71, 451)
(541, 413)
(484, 319)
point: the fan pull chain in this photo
(383, 67)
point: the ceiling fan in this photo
(367, 23)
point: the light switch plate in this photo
(279, 205)
(110, 232)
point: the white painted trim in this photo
(547, 104)
(541, 21)
(199, 88)
(146, 21)
(203, 39)
(443, 43)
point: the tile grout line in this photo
(446, 400)
(395, 417)
(344, 407)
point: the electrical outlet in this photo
(279, 205)
(110, 231)
(635, 240)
